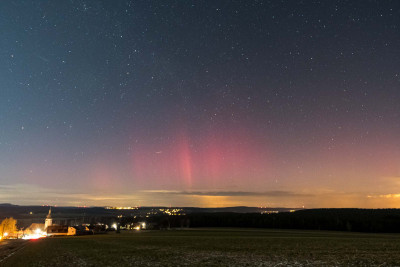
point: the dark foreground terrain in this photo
(9, 247)
(212, 247)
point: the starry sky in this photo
(200, 103)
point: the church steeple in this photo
(49, 220)
(49, 215)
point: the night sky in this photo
(200, 103)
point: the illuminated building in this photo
(49, 221)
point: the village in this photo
(9, 230)
(34, 222)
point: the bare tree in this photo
(8, 227)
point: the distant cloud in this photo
(384, 196)
(394, 177)
(232, 193)
(26, 194)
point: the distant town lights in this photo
(121, 208)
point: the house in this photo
(34, 228)
(79, 230)
(57, 230)
(60, 230)
(71, 231)
(98, 228)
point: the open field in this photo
(213, 247)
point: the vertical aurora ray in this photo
(185, 160)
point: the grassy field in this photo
(213, 247)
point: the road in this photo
(9, 247)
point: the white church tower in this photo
(48, 221)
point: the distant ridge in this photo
(7, 205)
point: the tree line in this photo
(358, 220)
